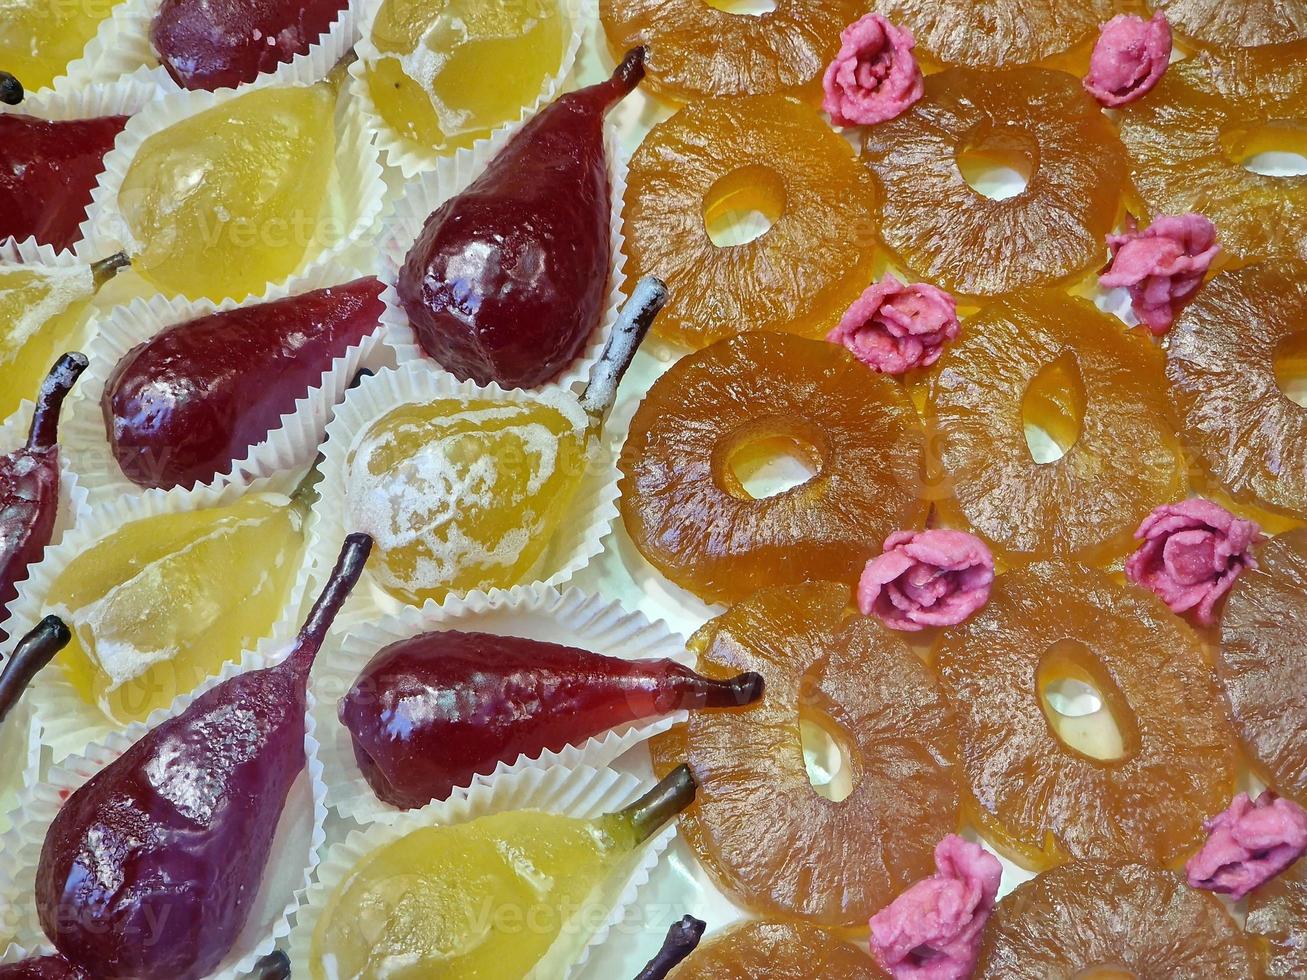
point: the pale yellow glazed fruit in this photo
(231, 199)
(40, 38)
(164, 602)
(41, 309)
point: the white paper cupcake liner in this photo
(297, 843)
(292, 444)
(535, 612)
(453, 175)
(582, 792)
(578, 539)
(122, 97)
(412, 158)
(68, 723)
(355, 196)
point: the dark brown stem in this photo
(11, 89)
(106, 269)
(349, 566)
(33, 652)
(650, 813)
(682, 938)
(44, 433)
(632, 326)
(698, 691)
(274, 966)
(630, 71)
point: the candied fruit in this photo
(690, 515)
(1249, 23)
(777, 951)
(41, 312)
(769, 154)
(759, 825)
(39, 39)
(1232, 360)
(1260, 665)
(1057, 363)
(1038, 788)
(949, 233)
(1277, 913)
(1088, 920)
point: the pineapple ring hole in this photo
(1291, 368)
(742, 206)
(1053, 409)
(1084, 708)
(768, 458)
(1276, 149)
(998, 163)
(743, 8)
(826, 755)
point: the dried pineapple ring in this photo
(1263, 648)
(1109, 412)
(1248, 23)
(768, 153)
(758, 825)
(1277, 912)
(1123, 921)
(698, 51)
(686, 509)
(778, 950)
(1038, 798)
(1189, 140)
(949, 233)
(1221, 362)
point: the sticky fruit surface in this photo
(778, 951)
(1277, 912)
(39, 39)
(41, 312)
(1250, 23)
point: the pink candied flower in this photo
(894, 327)
(1249, 844)
(875, 76)
(1129, 59)
(933, 930)
(1163, 266)
(927, 578)
(1192, 552)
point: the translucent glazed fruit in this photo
(1250, 23)
(449, 73)
(1034, 789)
(39, 39)
(684, 504)
(1088, 920)
(759, 827)
(230, 199)
(778, 951)
(769, 154)
(697, 50)
(164, 602)
(1226, 359)
(465, 494)
(1260, 665)
(1277, 912)
(998, 33)
(947, 232)
(1191, 140)
(1053, 361)
(41, 311)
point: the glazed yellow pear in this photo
(39, 39)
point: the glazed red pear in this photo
(34, 652)
(48, 169)
(213, 44)
(508, 279)
(29, 484)
(180, 408)
(429, 713)
(42, 968)
(150, 869)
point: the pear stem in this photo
(106, 269)
(682, 938)
(735, 692)
(632, 326)
(44, 433)
(647, 815)
(11, 89)
(274, 966)
(33, 652)
(630, 70)
(349, 566)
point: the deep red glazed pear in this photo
(150, 869)
(29, 484)
(42, 968)
(507, 281)
(429, 713)
(47, 172)
(213, 44)
(180, 408)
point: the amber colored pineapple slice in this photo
(771, 154)
(758, 825)
(1036, 796)
(1277, 912)
(1089, 920)
(949, 233)
(1263, 653)
(1221, 24)
(1059, 363)
(686, 508)
(1221, 362)
(777, 951)
(697, 50)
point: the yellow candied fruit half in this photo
(41, 311)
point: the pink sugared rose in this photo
(1163, 266)
(894, 327)
(1129, 59)
(927, 578)
(875, 76)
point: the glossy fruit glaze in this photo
(453, 71)
(1222, 26)
(42, 968)
(39, 39)
(778, 951)
(428, 714)
(228, 200)
(180, 408)
(213, 44)
(162, 603)
(1277, 913)
(48, 169)
(41, 312)
(760, 829)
